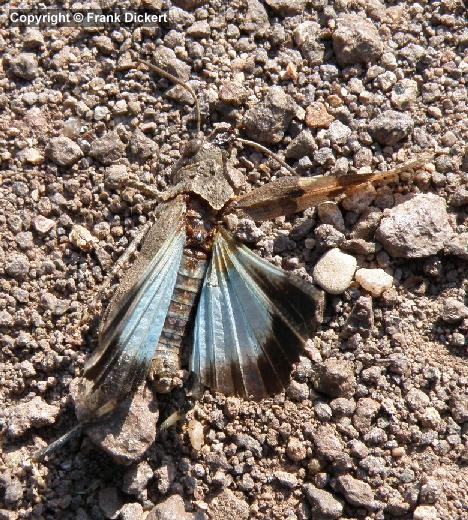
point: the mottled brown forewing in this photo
(289, 195)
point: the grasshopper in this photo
(251, 319)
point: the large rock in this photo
(323, 504)
(356, 40)
(63, 151)
(172, 508)
(226, 506)
(457, 246)
(166, 58)
(136, 478)
(356, 492)
(426, 513)
(391, 127)
(267, 121)
(33, 413)
(131, 511)
(307, 38)
(453, 310)
(142, 147)
(108, 148)
(109, 502)
(416, 228)
(366, 411)
(328, 445)
(129, 431)
(361, 318)
(255, 19)
(287, 7)
(335, 378)
(17, 265)
(24, 66)
(302, 144)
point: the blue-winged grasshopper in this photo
(248, 319)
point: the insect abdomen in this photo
(166, 361)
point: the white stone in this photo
(32, 156)
(375, 281)
(334, 271)
(120, 107)
(338, 133)
(425, 513)
(100, 113)
(82, 238)
(30, 98)
(195, 433)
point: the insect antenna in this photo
(54, 446)
(177, 81)
(268, 152)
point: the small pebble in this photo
(42, 224)
(356, 492)
(81, 238)
(296, 450)
(63, 151)
(286, 479)
(356, 40)
(375, 281)
(267, 121)
(24, 66)
(195, 433)
(338, 133)
(317, 116)
(390, 127)
(32, 156)
(323, 503)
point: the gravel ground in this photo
(373, 424)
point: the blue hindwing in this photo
(129, 341)
(252, 322)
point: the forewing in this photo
(131, 333)
(288, 195)
(252, 322)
